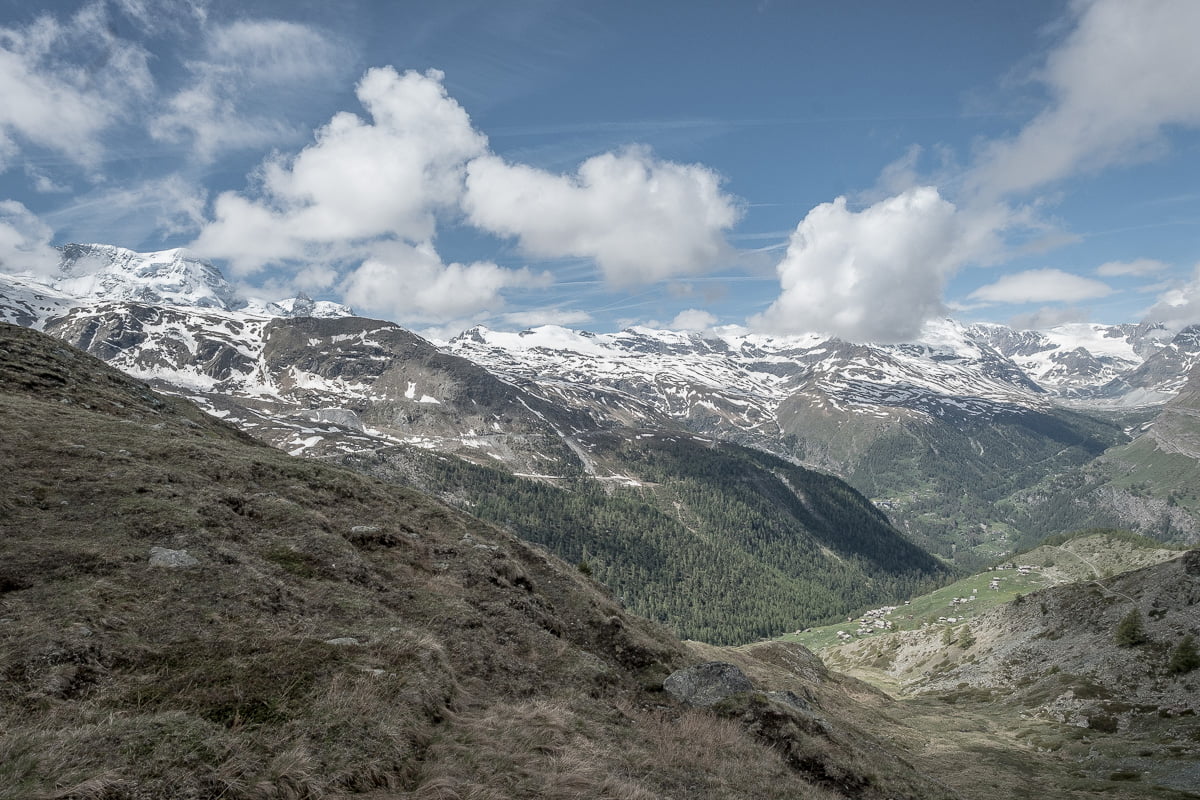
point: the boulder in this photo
(174, 559)
(707, 684)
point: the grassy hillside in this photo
(1067, 558)
(722, 543)
(1051, 667)
(185, 613)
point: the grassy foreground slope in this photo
(185, 613)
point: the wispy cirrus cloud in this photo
(1138, 267)
(222, 107)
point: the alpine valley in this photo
(662, 459)
(272, 549)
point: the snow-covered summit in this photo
(736, 381)
(167, 277)
(89, 274)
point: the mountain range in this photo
(955, 436)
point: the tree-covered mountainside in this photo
(949, 485)
(1151, 484)
(723, 543)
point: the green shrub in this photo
(1184, 658)
(1130, 631)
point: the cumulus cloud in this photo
(411, 282)
(243, 62)
(1179, 306)
(1041, 286)
(369, 193)
(639, 218)
(1140, 266)
(64, 83)
(875, 274)
(1127, 70)
(387, 177)
(692, 319)
(25, 241)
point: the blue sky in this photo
(851, 168)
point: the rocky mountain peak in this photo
(166, 277)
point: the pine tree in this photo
(966, 639)
(1184, 658)
(1130, 631)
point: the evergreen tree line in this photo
(724, 544)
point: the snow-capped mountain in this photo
(300, 374)
(1090, 362)
(89, 274)
(937, 430)
(740, 381)
(736, 384)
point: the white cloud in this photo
(1179, 306)
(1041, 286)
(25, 241)
(1140, 266)
(155, 16)
(1049, 317)
(640, 219)
(1127, 70)
(245, 61)
(546, 316)
(358, 181)
(65, 83)
(410, 282)
(692, 319)
(876, 274)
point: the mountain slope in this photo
(957, 435)
(1148, 485)
(1053, 664)
(187, 613)
(325, 385)
(723, 543)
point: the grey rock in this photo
(791, 699)
(365, 529)
(174, 559)
(707, 684)
(344, 641)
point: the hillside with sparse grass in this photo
(186, 613)
(1081, 658)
